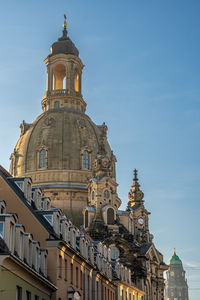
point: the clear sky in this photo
(141, 76)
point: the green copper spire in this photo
(175, 260)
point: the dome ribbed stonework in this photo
(64, 134)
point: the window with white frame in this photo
(43, 158)
(2, 229)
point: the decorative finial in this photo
(135, 195)
(65, 23)
(64, 35)
(174, 251)
(135, 178)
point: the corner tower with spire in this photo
(138, 212)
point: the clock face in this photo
(140, 221)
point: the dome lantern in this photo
(64, 74)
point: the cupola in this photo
(175, 260)
(64, 74)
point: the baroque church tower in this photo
(58, 149)
(125, 232)
(176, 284)
(69, 158)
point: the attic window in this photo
(49, 218)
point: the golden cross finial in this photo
(174, 251)
(65, 23)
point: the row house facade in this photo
(23, 272)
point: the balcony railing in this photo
(62, 92)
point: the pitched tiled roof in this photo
(20, 194)
(5, 172)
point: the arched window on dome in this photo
(43, 158)
(86, 163)
(76, 81)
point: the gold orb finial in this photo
(65, 23)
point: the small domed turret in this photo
(175, 260)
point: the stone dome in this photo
(65, 134)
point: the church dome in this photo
(65, 134)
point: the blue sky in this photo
(141, 77)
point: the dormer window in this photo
(2, 229)
(43, 158)
(49, 218)
(86, 164)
